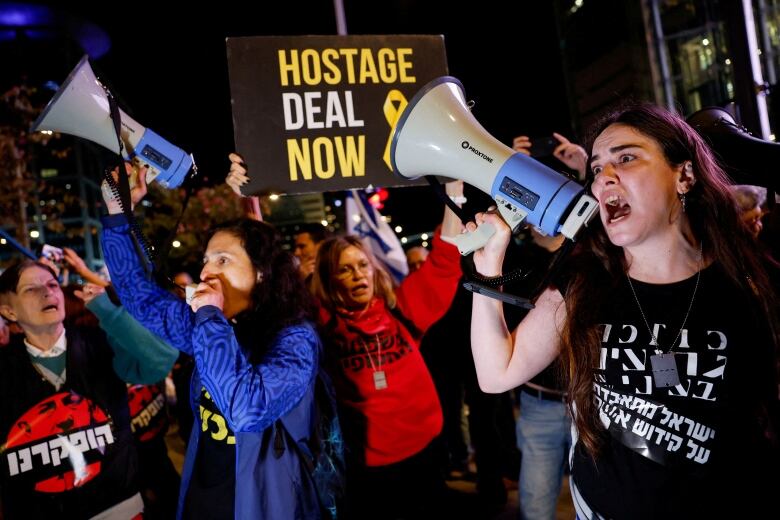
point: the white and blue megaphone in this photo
(81, 108)
(437, 135)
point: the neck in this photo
(664, 261)
(44, 338)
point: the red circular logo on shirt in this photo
(147, 411)
(58, 444)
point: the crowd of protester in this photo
(647, 369)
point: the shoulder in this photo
(304, 331)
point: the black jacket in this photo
(90, 374)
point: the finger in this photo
(141, 181)
(560, 138)
(560, 150)
(235, 158)
(238, 169)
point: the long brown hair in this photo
(323, 283)
(714, 220)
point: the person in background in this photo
(180, 282)
(307, 242)
(543, 426)
(750, 201)
(388, 404)
(256, 360)
(415, 257)
(666, 323)
(5, 333)
(68, 380)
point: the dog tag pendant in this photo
(380, 381)
(664, 370)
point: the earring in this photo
(681, 196)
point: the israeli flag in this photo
(365, 221)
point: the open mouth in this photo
(50, 308)
(360, 288)
(617, 208)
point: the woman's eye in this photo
(596, 170)
(626, 158)
(222, 260)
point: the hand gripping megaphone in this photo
(81, 108)
(437, 135)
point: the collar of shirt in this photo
(58, 348)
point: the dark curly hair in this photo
(281, 299)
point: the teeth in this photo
(612, 200)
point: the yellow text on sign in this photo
(355, 66)
(323, 156)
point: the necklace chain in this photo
(685, 319)
(374, 367)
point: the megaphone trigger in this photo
(470, 241)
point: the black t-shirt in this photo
(212, 489)
(697, 449)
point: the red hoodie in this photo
(400, 420)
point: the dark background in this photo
(167, 65)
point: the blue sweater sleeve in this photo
(161, 312)
(252, 397)
(140, 357)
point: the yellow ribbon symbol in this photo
(392, 114)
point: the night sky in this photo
(168, 66)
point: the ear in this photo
(7, 312)
(686, 178)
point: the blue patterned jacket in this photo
(250, 397)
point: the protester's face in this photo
(305, 248)
(635, 186)
(181, 281)
(38, 300)
(355, 278)
(415, 258)
(753, 220)
(226, 260)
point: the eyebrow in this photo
(216, 253)
(615, 149)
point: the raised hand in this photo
(89, 292)
(137, 188)
(572, 155)
(522, 144)
(237, 175)
(208, 293)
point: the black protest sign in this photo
(316, 113)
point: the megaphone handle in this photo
(470, 241)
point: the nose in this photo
(206, 272)
(606, 177)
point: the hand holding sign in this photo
(237, 175)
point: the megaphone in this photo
(437, 135)
(81, 108)
(747, 159)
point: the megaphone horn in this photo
(438, 135)
(81, 108)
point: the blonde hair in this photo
(323, 283)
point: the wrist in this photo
(458, 199)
